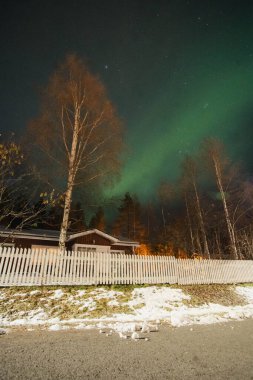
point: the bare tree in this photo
(17, 201)
(213, 149)
(189, 224)
(189, 185)
(77, 130)
(165, 196)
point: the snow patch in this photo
(113, 303)
(57, 294)
(80, 293)
(89, 303)
(2, 296)
(33, 292)
(103, 293)
(246, 292)
(20, 294)
(58, 327)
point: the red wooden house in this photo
(91, 240)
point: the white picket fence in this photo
(41, 267)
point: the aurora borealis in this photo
(177, 71)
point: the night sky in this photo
(177, 71)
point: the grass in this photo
(246, 284)
(67, 311)
(105, 310)
(19, 302)
(218, 294)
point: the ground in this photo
(220, 351)
(124, 310)
(127, 332)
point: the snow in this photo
(149, 307)
(103, 293)
(57, 327)
(57, 294)
(89, 303)
(80, 293)
(113, 303)
(34, 292)
(157, 302)
(245, 291)
(20, 294)
(2, 296)
(122, 335)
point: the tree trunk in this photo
(189, 223)
(71, 178)
(201, 221)
(231, 232)
(65, 219)
(199, 249)
(217, 240)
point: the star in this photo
(106, 67)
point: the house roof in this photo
(54, 235)
(31, 234)
(94, 231)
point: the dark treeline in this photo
(207, 213)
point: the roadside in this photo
(220, 351)
(122, 309)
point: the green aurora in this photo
(177, 71)
(216, 103)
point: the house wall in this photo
(128, 250)
(27, 243)
(94, 239)
(90, 239)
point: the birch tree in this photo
(77, 130)
(165, 195)
(189, 184)
(214, 151)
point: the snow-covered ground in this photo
(136, 313)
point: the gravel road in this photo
(222, 351)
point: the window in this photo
(91, 248)
(86, 249)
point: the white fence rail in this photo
(42, 267)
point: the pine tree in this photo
(128, 223)
(98, 220)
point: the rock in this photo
(145, 328)
(153, 328)
(135, 335)
(2, 332)
(122, 335)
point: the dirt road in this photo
(198, 352)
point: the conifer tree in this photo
(128, 222)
